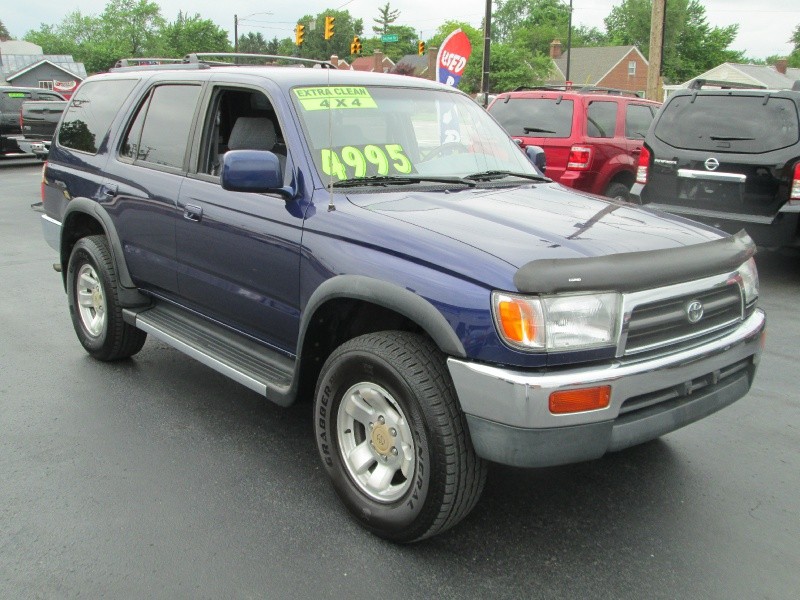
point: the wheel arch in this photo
(347, 306)
(86, 217)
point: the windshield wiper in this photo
(729, 138)
(385, 180)
(536, 130)
(490, 175)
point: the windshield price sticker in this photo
(334, 98)
(17, 95)
(350, 162)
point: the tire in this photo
(414, 473)
(94, 304)
(618, 191)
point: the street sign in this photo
(389, 37)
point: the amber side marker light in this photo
(572, 401)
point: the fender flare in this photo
(390, 296)
(129, 296)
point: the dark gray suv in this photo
(729, 158)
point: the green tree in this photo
(4, 35)
(77, 34)
(406, 42)
(253, 43)
(192, 34)
(691, 45)
(794, 57)
(317, 47)
(130, 28)
(386, 16)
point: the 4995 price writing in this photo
(350, 162)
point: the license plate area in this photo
(711, 188)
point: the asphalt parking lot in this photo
(159, 478)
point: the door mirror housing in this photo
(537, 157)
(255, 171)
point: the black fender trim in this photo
(129, 294)
(387, 295)
(633, 271)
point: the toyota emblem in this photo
(711, 164)
(694, 311)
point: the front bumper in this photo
(508, 410)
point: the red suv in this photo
(591, 136)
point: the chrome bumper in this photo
(51, 229)
(510, 421)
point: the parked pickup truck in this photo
(38, 121)
(380, 247)
(11, 100)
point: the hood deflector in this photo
(633, 271)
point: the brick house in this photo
(378, 63)
(621, 67)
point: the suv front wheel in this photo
(93, 303)
(393, 439)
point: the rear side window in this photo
(637, 120)
(601, 119)
(160, 132)
(91, 111)
(10, 101)
(535, 117)
(748, 124)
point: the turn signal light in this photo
(572, 401)
(517, 320)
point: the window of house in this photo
(46, 85)
(631, 67)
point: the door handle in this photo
(636, 151)
(110, 190)
(192, 212)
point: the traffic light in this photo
(355, 45)
(329, 23)
(358, 45)
(299, 33)
(420, 47)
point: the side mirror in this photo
(537, 157)
(255, 171)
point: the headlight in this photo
(749, 275)
(556, 323)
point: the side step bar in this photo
(257, 367)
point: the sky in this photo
(764, 26)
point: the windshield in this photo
(360, 132)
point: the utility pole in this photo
(569, 42)
(487, 34)
(236, 33)
(654, 91)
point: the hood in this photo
(540, 221)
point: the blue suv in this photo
(378, 245)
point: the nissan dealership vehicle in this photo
(379, 246)
(729, 158)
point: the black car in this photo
(729, 158)
(11, 99)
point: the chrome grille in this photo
(664, 323)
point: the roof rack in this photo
(203, 60)
(273, 60)
(698, 84)
(580, 89)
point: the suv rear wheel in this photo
(393, 439)
(94, 305)
(618, 191)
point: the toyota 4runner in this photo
(379, 244)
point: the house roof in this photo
(588, 66)
(14, 65)
(367, 63)
(763, 75)
(417, 62)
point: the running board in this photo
(255, 366)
